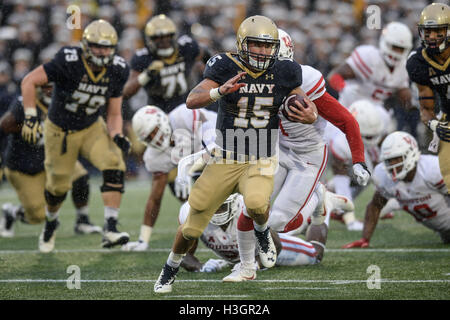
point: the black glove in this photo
(443, 131)
(122, 142)
(30, 129)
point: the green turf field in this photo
(412, 262)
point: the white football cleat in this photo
(355, 226)
(135, 246)
(47, 236)
(165, 280)
(336, 202)
(266, 248)
(239, 274)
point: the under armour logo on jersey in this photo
(269, 76)
(211, 239)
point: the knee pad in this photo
(113, 180)
(80, 190)
(53, 200)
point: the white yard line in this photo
(395, 250)
(338, 282)
(208, 296)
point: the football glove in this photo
(443, 131)
(122, 142)
(361, 243)
(151, 73)
(213, 265)
(183, 187)
(361, 173)
(31, 126)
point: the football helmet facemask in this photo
(227, 211)
(369, 121)
(99, 34)
(402, 145)
(152, 127)
(286, 45)
(160, 34)
(435, 16)
(396, 42)
(262, 31)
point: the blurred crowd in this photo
(324, 31)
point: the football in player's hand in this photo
(290, 104)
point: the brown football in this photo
(290, 101)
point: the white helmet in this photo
(146, 120)
(286, 45)
(399, 144)
(369, 121)
(228, 210)
(395, 34)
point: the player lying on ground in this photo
(415, 181)
(221, 237)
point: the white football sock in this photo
(246, 246)
(174, 259)
(51, 216)
(83, 211)
(111, 212)
(146, 233)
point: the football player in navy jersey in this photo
(429, 68)
(162, 68)
(250, 86)
(87, 79)
(25, 171)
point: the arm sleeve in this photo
(331, 110)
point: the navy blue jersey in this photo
(79, 94)
(20, 155)
(170, 89)
(252, 111)
(424, 70)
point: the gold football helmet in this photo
(160, 36)
(264, 32)
(435, 16)
(100, 34)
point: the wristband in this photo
(214, 94)
(30, 111)
(143, 78)
(432, 124)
